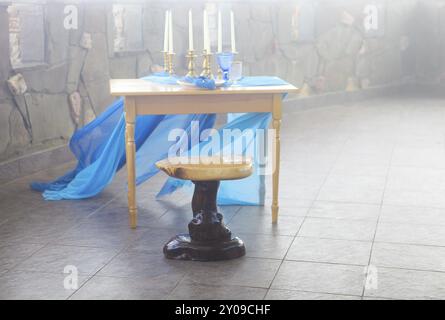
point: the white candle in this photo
(170, 33)
(206, 31)
(166, 32)
(232, 31)
(190, 31)
(219, 32)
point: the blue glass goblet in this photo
(225, 60)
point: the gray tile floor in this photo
(362, 185)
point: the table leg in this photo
(276, 124)
(130, 119)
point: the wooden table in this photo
(143, 97)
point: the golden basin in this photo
(207, 168)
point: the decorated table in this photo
(144, 97)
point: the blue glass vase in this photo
(225, 60)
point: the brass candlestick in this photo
(170, 63)
(166, 61)
(207, 65)
(191, 64)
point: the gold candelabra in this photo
(207, 65)
(171, 71)
(191, 64)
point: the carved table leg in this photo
(276, 124)
(208, 239)
(130, 148)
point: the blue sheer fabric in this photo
(99, 148)
(247, 191)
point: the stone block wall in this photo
(319, 45)
(430, 41)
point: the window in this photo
(127, 27)
(26, 35)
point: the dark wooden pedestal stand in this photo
(208, 239)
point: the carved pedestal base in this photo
(182, 247)
(209, 238)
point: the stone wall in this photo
(321, 46)
(430, 42)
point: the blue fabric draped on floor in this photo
(99, 148)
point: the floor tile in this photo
(412, 215)
(356, 169)
(320, 277)
(143, 264)
(377, 298)
(111, 288)
(338, 210)
(112, 235)
(77, 209)
(287, 205)
(408, 256)
(247, 220)
(34, 229)
(153, 240)
(191, 291)
(408, 284)
(16, 196)
(54, 258)
(277, 294)
(35, 286)
(235, 272)
(12, 254)
(377, 159)
(330, 251)
(304, 185)
(118, 214)
(362, 189)
(341, 229)
(411, 234)
(415, 179)
(309, 163)
(48, 211)
(425, 157)
(265, 245)
(414, 198)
